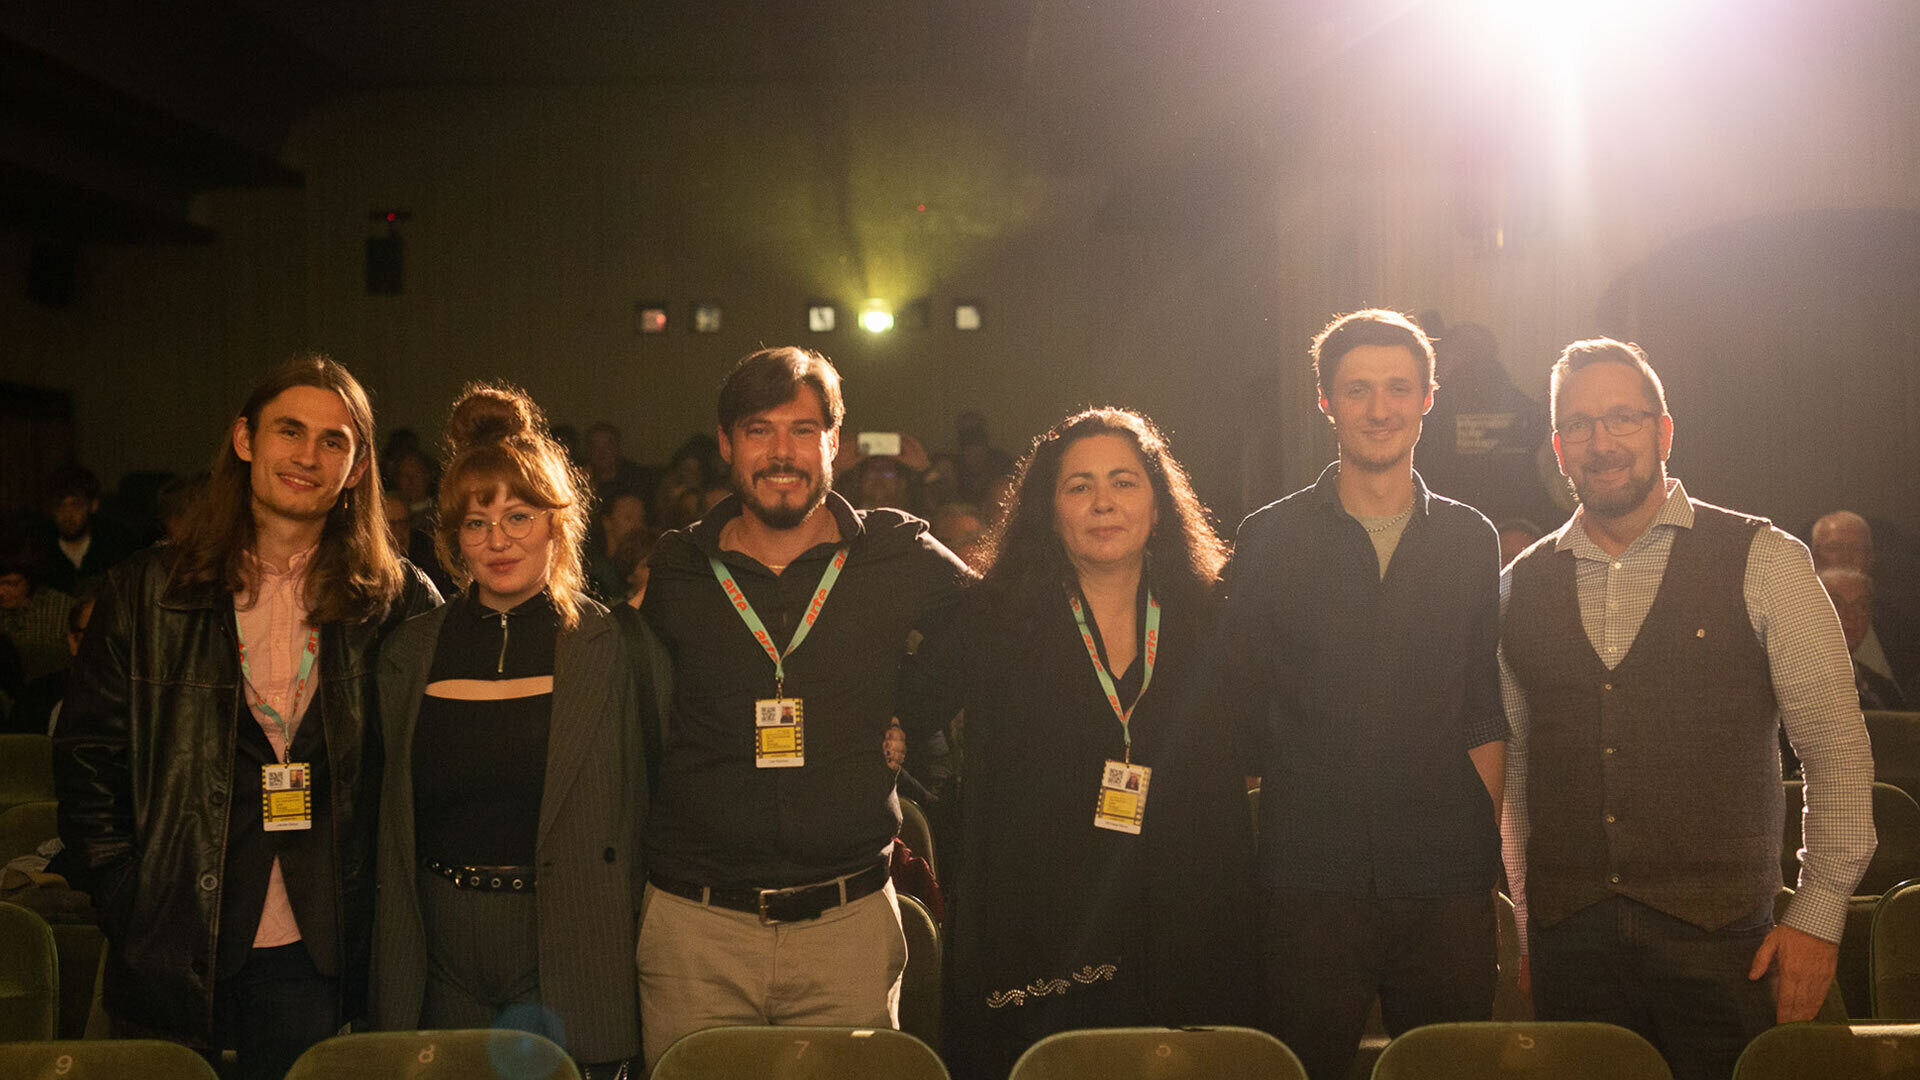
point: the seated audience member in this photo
(38, 707)
(414, 542)
(1852, 594)
(515, 784)
(1073, 909)
(83, 545)
(33, 615)
(414, 479)
(620, 517)
(1891, 648)
(630, 561)
(175, 503)
(961, 528)
(1516, 536)
(610, 472)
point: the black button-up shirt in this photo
(719, 820)
(1365, 693)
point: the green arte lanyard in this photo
(299, 687)
(760, 634)
(1106, 679)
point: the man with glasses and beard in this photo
(787, 614)
(1651, 649)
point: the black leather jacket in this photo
(143, 762)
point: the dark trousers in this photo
(1684, 989)
(1429, 960)
(274, 1008)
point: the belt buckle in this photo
(766, 919)
(779, 906)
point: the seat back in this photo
(1151, 1053)
(1893, 962)
(1896, 749)
(1521, 1051)
(497, 1054)
(23, 828)
(798, 1053)
(917, 834)
(102, 1059)
(26, 769)
(1896, 818)
(29, 977)
(920, 985)
(1832, 1052)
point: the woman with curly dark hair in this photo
(1106, 849)
(515, 784)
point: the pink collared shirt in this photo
(273, 620)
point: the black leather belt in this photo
(796, 903)
(483, 878)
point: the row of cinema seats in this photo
(1508, 1051)
(1877, 952)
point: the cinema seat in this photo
(1154, 1053)
(1521, 1051)
(1817, 1051)
(798, 1053)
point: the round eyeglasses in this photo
(515, 525)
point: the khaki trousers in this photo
(703, 967)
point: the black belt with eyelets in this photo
(483, 878)
(796, 903)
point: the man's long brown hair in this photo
(355, 573)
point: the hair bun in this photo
(491, 414)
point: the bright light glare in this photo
(876, 319)
(1517, 28)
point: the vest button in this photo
(1611, 819)
(1606, 686)
(1615, 878)
(1611, 750)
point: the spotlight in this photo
(650, 316)
(876, 319)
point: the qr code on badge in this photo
(1115, 776)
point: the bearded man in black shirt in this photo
(788, 616)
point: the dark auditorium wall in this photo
(538, 219)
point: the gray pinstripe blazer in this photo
(591, 814)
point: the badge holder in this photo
(286, 797)
(1122, 804)
(779, 733)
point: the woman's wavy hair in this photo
(1025, 559)
(497, 436)
(355, 574)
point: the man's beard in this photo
(1625, 501)
(785, 515)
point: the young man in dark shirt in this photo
(1363, 630)
(788, 616)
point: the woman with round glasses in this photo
(515, 781)
(1105, 878)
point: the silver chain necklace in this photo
(1390, 522)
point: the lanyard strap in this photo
(1106, 679)
(299, 687)
(752, 619)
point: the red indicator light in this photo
(922, 208)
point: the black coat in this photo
(142, 763)
(1058, 924)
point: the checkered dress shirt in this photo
(1812, 679)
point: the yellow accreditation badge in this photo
(779, 733)
(1122, 805)
(286, 796)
